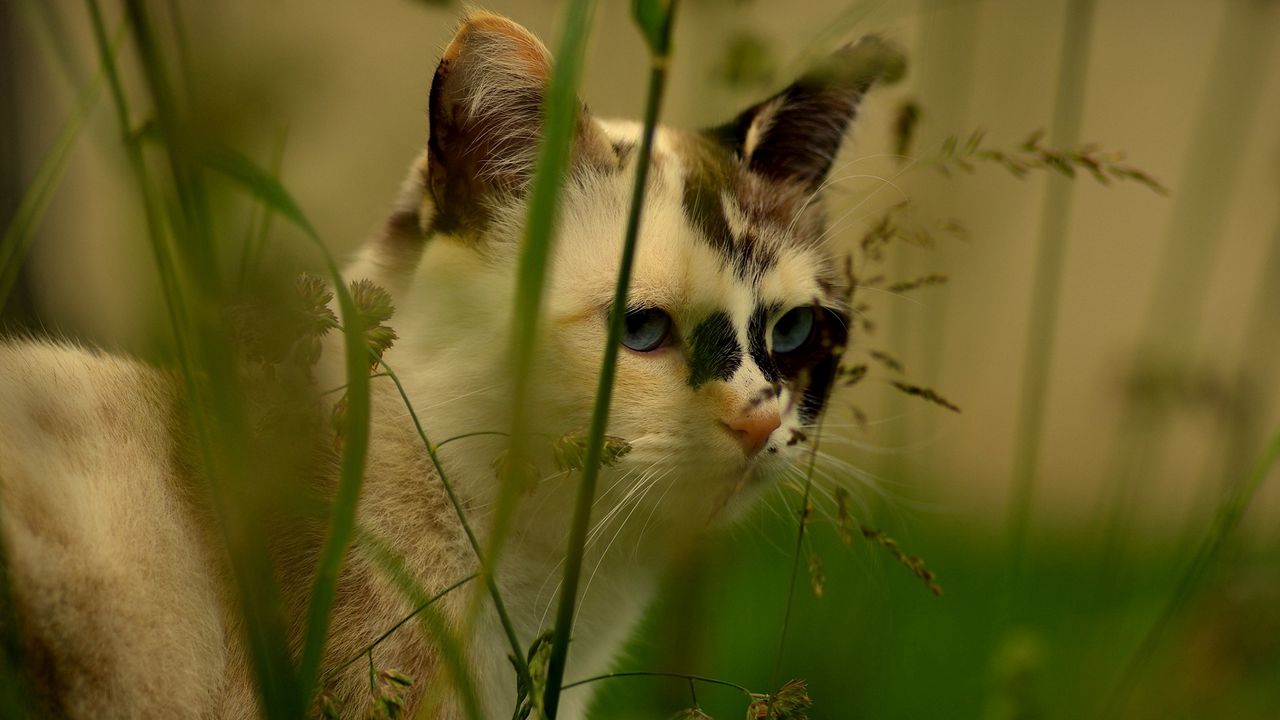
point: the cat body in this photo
(736, 316)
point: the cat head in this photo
(737, 312)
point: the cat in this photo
(736, 317)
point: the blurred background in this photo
(1114, 351)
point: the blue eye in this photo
(646, 330)
(792, 330)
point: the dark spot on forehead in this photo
(714, 350)
(704, 209)
(753, 258)
(758, 345)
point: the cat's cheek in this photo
(647, 391)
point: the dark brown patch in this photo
(758, 345)
(799, 131)
(403, 227)
(779, 215)
(704, 209)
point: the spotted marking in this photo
(715, 353)
(824, 360)
(757, 328)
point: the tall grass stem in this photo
(1047, 283)
(508, 628)
(567, 603)
(803, 517)
(214, 409)
(560, 118)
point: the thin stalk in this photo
(1225, 524)
(195, 229)
(680, 676)
(604, 391)
(1047, 283)
(434, 625)
(799, 550)
(464, 436)
(343, 386)
(551, 168)
(35, 201)
(517, 650)
(368, 649)
(356, 433)
(259, 231)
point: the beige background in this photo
(349, 80)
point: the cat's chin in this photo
(751, 476)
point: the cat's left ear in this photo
(486, 120)
(794, 136)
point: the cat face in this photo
(737, 309)
(735, 313)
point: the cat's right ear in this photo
(485, 119)
(793, 137)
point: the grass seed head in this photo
(791, 701)
(327, 706)
(525, 477)
(570, 451)
(395, 677)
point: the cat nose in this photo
(752, 429)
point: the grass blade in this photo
(35, 201)
(215, 409)
(1047, 284)
(274, 196)
(391, 630)
(560, 119)
(654, 18)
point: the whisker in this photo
(603, 554)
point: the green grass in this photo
(878, 645)
(182, 248)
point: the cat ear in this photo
(794, 136)
(486, 118)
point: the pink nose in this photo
(752, 429)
